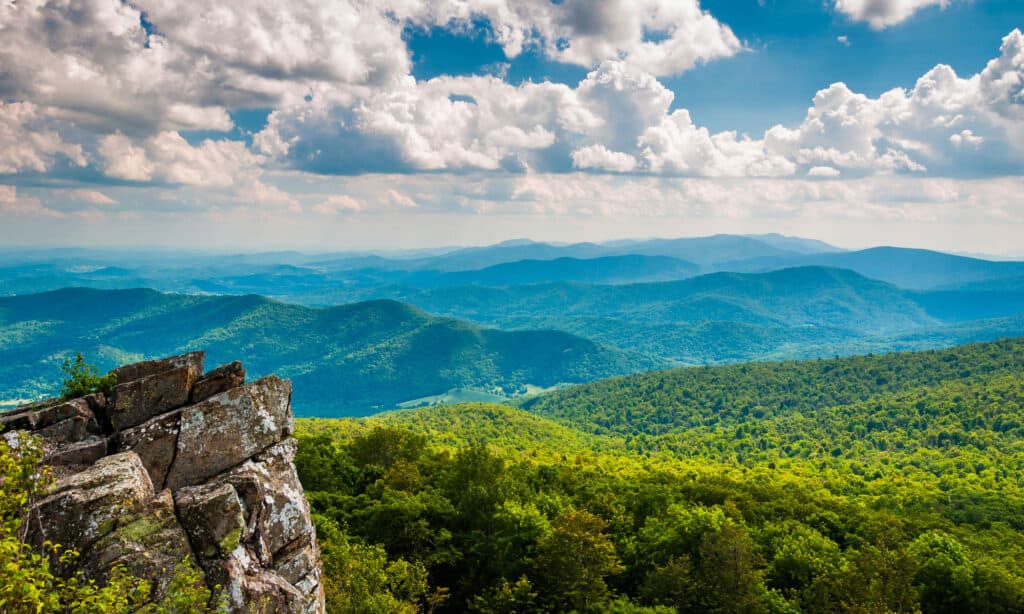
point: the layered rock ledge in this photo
(177, 463)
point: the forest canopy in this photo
(868, 484)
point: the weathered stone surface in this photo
(139, 400)
(221, 379)
(212, 517)
(74, 428)
(76, 456)
(297, 563)
(139, 370)
(149, 542)
(41, 415)
(240, 423)
(111, 516)
(155, 442)
(274, 506)
(233, 500)
(250, 587)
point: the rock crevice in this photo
(177, 463)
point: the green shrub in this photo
(81, 378)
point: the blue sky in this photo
(344, 124)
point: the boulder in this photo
(149, 542)
(111, 516)
(250, 588)
(212, 516)
(275, 508)
(229, 428)
(77, 456)
(176, 464)
(155, 441)
(221, 379)
(139, 370)
(41, 415)
(79, 424)
(138, 400)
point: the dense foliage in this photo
(870, 484)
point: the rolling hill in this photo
(874, 483)
(727, 317)
(606, 270)
(908, 268)
(344, 360)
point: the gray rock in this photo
(233, 500)
(141, 399)
(76, 427)
(139, 370)
(76, 456)
(229, 428)
(275, 507)
(212, 516)
(221, 379)
(41, 415)
(155, 441)
(111, 516)
(250, 588)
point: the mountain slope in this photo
(344, 360)
(678, 400)
(908, 268)
(607, 270)
(725, 317)
(888, 483)
(802, 296)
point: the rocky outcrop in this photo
(179, 464)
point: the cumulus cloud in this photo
(880, 14)
(678, 146)
(823, 171)
(114, 86)
(600, 157)
(662, 37)
(96, 63)
(619, 119)
(29, 141)
(945, 124)
(423, 126)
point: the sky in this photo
(349, 124)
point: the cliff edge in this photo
(180, 463)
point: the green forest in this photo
(869, 484)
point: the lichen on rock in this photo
(179, 464)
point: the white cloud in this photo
(823, 171)
(30, 142)
(13, 205)
(93, 62)
(97, 89)
(678, 146)
(599, 157)
(400, 200)
(168, 157)
(618, 119)
(966, 138)
(663, 37)
(123, 159)
(880, 14)
(337, 204)
(94, 197)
